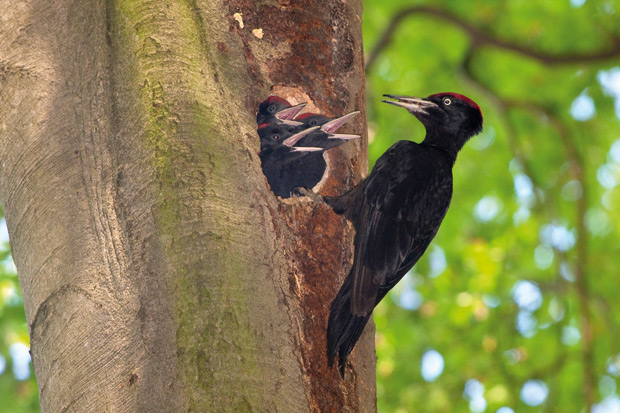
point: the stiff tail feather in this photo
(343, 328)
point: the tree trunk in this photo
(159, 273)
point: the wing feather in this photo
(384, 239)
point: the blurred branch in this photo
(577, 170)
(577, 164)
(481, 38)
(581, 285)
(511, 135)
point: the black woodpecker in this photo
(397, 210)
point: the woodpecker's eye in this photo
(313, 123)
(271, 108)
(276, 137)
(447, 101)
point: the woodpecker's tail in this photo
(343, 328)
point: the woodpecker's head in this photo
(274, 109)
(325, 137)
(450, 119)
(312, 119)
(277, 135)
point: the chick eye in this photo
(447, 101)
(276, 137)
(271, 108)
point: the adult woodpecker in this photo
(276, 110)
(397, 210)
(280, 158)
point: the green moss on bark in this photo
(188, 144)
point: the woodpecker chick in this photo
(309, 170)
(325, 137)
(280, 158)
(276, 110)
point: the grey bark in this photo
(159, 273)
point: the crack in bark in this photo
(8, 68)
(43, 309)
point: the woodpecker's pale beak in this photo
(287, 115)
(307, 149)
(413, 105)
(291, 141)
(333, 125)
(342, 136)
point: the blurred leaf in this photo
(533, 144)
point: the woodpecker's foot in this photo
(301, 191)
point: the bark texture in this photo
(159, 273)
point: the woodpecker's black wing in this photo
(396, 213)
(398, 210)
(404, 202)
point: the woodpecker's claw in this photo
(301, 191)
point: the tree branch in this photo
(503, 109)
(577, 165)
(481, 38)
(581, 285)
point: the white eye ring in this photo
(447, 101)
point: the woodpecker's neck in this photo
(450, 156)
(447, 138)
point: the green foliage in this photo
(18, 394)
(533, 202)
